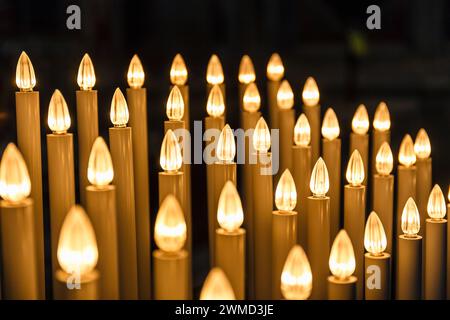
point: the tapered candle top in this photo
(285, 193)
(384, 161)
(375, 240)
(275, 68)
(226, 147)
(285, 96)
(170, 157)
(342, 257)
(246, 70)
(229, 211)
(77, 246)
(296, 278)
(330, 125)
(355, 169)
(310, 94)
(436, 204)
(217, 286)
(15, 183)
(302, 131)
(58, 118)
(170, 225)
(119, 109)
(252, 99)
(382, 119)
(422, 145)
(406, 155)
(25, 77)
(261, 136)
(100, 167)
(135, 75)
(86, 73)
(175, 105)
(360, 121)
(214, 71)
(215, 106)
(320, 182)
(410, 218)
(178, 71)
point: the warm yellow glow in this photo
(77, 246)
(215, 106)
(217, 286)
(285, 96)
(360, 121)
(296, 278)
(15, 183)
(275, 68)
(58, 118)
(310, 94)
(229, 210)
(302, 131)
(214, 71)
(406, 155)
(375, 240)
(384, 161)
(355, 169)
(261, 136)
(330, 125)
(226, 147)
(436, 207)
(178, 71)
(175, 104)
(410, 218)
(251, 100)
(170, 157)
(448, 194)
(342, 257)
(422, 145)
(100, 168)
(119, 109)
(319, 183)
(135, 75)
(86, 73)
(285, 193)
(246, 70)
(382, 119)
(25, 77)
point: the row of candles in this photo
(108, 249)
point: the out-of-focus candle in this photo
(359, 139)
(311, 108)
(275, 73)
(381, 132)
(286, 114)
(179, 78)
(214, 75)
(448, 247)
(246, 76)
(296, 278)
(217, 286)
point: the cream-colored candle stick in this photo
(77, 256)
(179, 77)
(284, 228)
(286, 117)
(311, 108)
(18, 247)
(448, 248)
(274, 72)
(217, 286)
(246, 76)
(296, 278)
(29, 141)
(170, 261)
(359, 139)
(101, 208)
(120, 138)
(214, 75)
(342, 284)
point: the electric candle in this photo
(274, 72)
(296, 278)
(214, 75)
(246, 76)
(359, 139)
(381, 131)
(311, 108)
(179, 77)
(217, 286)
(286, 114)
(448, 248)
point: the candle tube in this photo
(274, 72)
(311, 108)
(170, 261)
(331, 145)
(77, 256)
(120, 138)
(377, 263)
(285, 100)
(284, 228)
(318, 218)
(179, 77)
(448, 248)
(87, 119)
(18, 247)
(217, 286)
(359, 139)
(101, 208)
(296, 278)
(214, 75)
(342, 285)
(29, 141)
(246, 76)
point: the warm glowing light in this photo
(215, 106)
(410, 218)
(319, 183)
(302, 131)
(275, 68)
(170, 225)
(285, 96)
(448, 194)
(77, 246)
(15, 183)
(261, 136)
(406, 155)
(119, 109)
(226, 147)
(86, 73)
(251, 100)
(58, 118)
(375, 240)
(360, 122)
(175, 105)
(178, 71)
(310, 94)
(330, 125)
(246, 70)
(384, 161)
(285, 193)
(217, 286)
(100, 168)
(382, 119)
(170, 157)
(436, 204)
(296, 278)
(355, 169)
(214, 71)
(422, 145)
(229, 209)
(135, 75)
(25, 77)
(342, 257)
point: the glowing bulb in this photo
(135, 75)
(119, 109)
(86, 73)
(77, 247)
(360, 122)
(382, 119)
(217, 286)
(448, 194)
(58, 118)
(170, 158)
(285, 193)
(355, 169)
(170, 225)
(285, 96)
(261, 136)
(178, 71)
(275, 68)
(229, 209)
(319, 183)
(330, 125)
(302, 131)
(375, 240)
(215, 106)
(406, 155)
(226, 147)
(310, 94)
(15, 183)
(252, 99)
(25, 77)
(410, 218)
(100, 168)
(436, 204)
(342, 257)
(384, 161)
(296, 277)
(214, 71)
(246, 70)
(422, 145)
(175, 105)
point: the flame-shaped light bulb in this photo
(226, 147)
(310, 94)
(214, 71)
(296, 277)
(375, 240)
(355, 169)
(215, 106)
(285, 96)
(286, 193)
(319, 183)
(302, 131)
(410, 221)
(436, 204)
(25, 77)
(360, 121)
(252, 100)
(170, 226)
(217, 286)
(406, 155)
(100, 167)
(58, 118)
(119, 109)
(246, 70)
(261, 136)
(175, 105)
(15, 183)
(330, 125)
(229, 210)
(135, 74)
(382, 118)
(178, 71)
(275, 68)
(86, 73)
(384, 161)
(422, 145)
(342, 257)
(170, 157)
